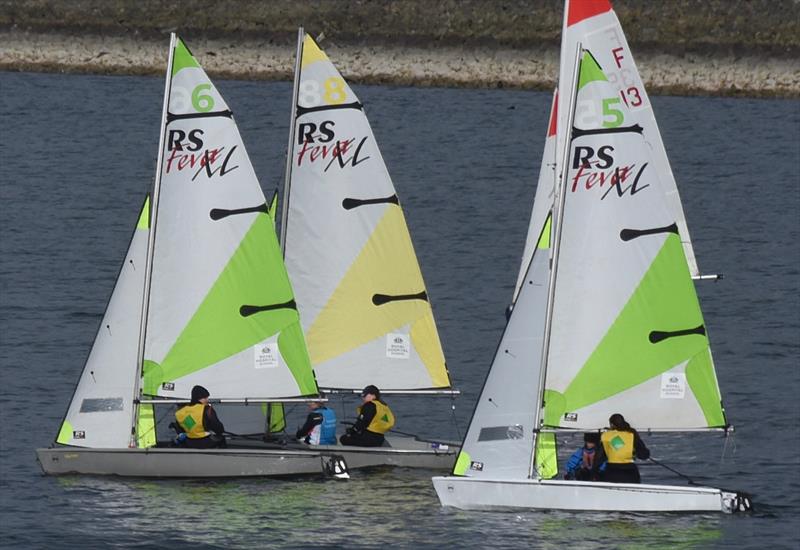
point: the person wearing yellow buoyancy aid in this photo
(375, 418)
(199, 422)
(620, 445)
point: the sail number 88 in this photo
(333, 92)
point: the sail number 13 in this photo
(334, 92)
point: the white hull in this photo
(494, 494)
(251, 459)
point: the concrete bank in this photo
(532, 68)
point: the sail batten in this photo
(360, 293)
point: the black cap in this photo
(198, 393)
(591, 437)
(373, 390)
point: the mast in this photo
(558, 219)
(287, 181)
(151, 241)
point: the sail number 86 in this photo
(333, 92)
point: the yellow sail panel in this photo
(311, 53)
(386, 266)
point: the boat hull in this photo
(172, 462)
(492, 494)
(247, 459)
(403, 452)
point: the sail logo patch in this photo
(168, 386)
(598, 169)
(570, 417)
(477, 466)
(266, 355)
(398, 346)
(79, 434)
(673, 385)
(318, 142)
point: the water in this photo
(78, 154)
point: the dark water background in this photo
(78, 155)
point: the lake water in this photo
(78, 155)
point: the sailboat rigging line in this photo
(151, 243)
(380, 299)
(674, 471)
(349, 204)
(630, 234)
(246, 311)
(578, 132)
(219, 213)
(657, 336)
(227, 114)
(305, 110)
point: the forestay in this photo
(627, 332)
(101, 412)
(221, 310)
(362, 300)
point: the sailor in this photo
(375, 418)
(583, 464)
(199, 422)
(621, 444)
(320, 426)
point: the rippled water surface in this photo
(78, 154)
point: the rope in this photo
(674, 471)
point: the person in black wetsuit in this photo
(620, 445)
(199, 422)
(375, 418)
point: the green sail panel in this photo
(218, 330)
(665, 301)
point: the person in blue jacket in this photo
(320, 426)
(585, 463)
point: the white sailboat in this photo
(359, 289)
(607, 318)
(203, 297)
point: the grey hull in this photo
(401, 451)
(248, 459)
(192, 463)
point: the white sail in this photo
(627, 332)
(543, 199)
(101, 412)
(362, 300)
(221, 310)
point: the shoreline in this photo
(523, 67)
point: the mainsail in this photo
(363, 304)
(221, 311)
(103, 398)
(627, 332)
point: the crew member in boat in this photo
(584, 464)
(375, 418)
(320, 426)
(621, 444)
(199, 422)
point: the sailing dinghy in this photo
(606, 319)
(203, 297)
(359, 289)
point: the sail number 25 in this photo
(334, 92)
(587, 115)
